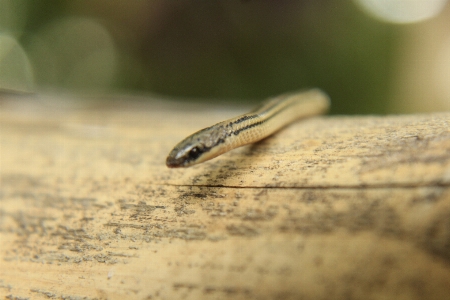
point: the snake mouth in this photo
(173, 162)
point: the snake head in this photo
(198, 147)
(184, 156)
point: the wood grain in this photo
(329, 208)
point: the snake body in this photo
(248, 128)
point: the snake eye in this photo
(194, 153)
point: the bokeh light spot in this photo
(402, 11)
(15, 68)
(76, 54)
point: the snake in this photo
(268, 118)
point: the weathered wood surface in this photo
(329, 208)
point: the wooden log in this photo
(329, 208)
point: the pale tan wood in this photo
(329, 208)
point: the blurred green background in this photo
(232, 50)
